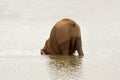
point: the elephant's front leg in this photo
(64, 48)
(79, 46)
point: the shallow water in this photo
(26, 24)
(32, 66)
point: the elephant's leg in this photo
(64, 48)
(79, 46)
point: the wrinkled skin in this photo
(65, 39)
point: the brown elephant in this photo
(65, 39)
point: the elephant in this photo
(65, 39)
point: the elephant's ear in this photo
(79, 45)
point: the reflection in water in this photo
(65, 67)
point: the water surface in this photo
(26, 24)
(30, 66)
